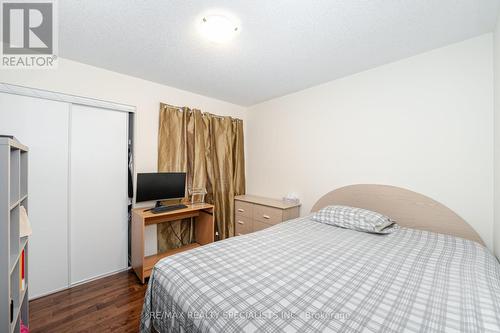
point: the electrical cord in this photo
(177, 236)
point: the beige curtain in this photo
(210, 150)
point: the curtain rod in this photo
(181, 108)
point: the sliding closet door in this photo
(42, 125)
(98, 192)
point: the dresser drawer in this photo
(258, 225)
(242, 208)
(254, 213)
(267, 214)
(242, 225)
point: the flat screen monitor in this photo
(160, 186)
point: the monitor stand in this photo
(157, 205)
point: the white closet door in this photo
(98, 192)
(42, 125)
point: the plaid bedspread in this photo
(305, 276)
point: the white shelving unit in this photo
(13, 195)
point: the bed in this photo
(432, 275)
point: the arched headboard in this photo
(407, 208)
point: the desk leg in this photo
(204, 228)
(138, 246)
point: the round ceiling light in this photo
(218, 28)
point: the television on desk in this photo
(160, 186)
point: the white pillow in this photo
(356, 218)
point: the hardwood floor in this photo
(110, 304)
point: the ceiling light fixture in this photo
(218, 28)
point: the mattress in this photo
(305, 276)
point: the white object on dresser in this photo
(254, 213)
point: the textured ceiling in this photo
(283, 45)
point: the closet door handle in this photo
(241, 210)
(267, 217)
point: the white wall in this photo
(423, 123)
(496, 233)
(83, 80)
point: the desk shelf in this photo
(150, 261)
(203, 216)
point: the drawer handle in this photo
(266, 216)
(241, 222)
(241, 210)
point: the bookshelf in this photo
(13, 248)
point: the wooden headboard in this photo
(407, 208)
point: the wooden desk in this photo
(203, 215)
